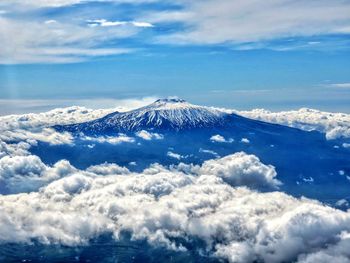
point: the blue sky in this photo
(239, 54)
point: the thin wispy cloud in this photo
(341, 85)
(62, 3)
(210, 22)
(55, 37)
(56, 42)
(106, 23)
(18, 106)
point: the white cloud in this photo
(183, 202)
(51, 21)
(161, 205)
(334, 253)
(308, 180)
(28, 173)
(217, 138)
(246, 23)
(106, 23)
(108, 168)
(19, 132)
(141, 24)
(31, 128)
(220, 138)
(342, 202)
(226, 21)
(174, 155)
(121, 138)
(341, 85)
(149, 135)
(245, 140)
(209, 152)
(334, 125)
(241, 169)
(346, 145)
(45, 134)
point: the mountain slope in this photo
(306, 162)
(164, 114)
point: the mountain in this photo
(306, 162)
(163, 114)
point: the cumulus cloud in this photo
(28, 173)
(166, 206)
(174, 155)
(45, 134)
(149, 135)
(108, 168)
(170, 208)
(220, 138)
(241, 169)
(19, 132)
(121, 138)
(245, 140)
(334, 125)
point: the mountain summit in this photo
(165, 114)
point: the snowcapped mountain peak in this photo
(170, 100)
(169, 114)
(169, 104)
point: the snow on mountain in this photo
(173, 114)
(177, 114)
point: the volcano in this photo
(173, 131)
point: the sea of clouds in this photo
(217, 203)
(334, 125)
(231, 204)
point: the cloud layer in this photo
(219, 203)
(234, 22)
(334, 125)
(27, 172)
(19, 132)
(54, 37)
(164, 206)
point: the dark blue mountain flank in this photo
(306, 162)
(163, 114)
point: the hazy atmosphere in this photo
(146, 131)
(236, 54)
